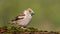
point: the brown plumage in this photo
(24, 18)
(16, 18)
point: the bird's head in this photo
(29, 11)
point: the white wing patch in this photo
(20, 16)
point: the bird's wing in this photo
(19, 17)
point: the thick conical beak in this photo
(32, 13)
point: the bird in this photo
(23, 19)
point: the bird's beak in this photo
(32, 13)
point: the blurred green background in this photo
(47, 12)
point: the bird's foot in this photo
(23, 28)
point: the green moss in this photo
(31, 29)
(15, 29)
(12, 29)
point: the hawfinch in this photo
(24, 18)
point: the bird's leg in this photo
(24, 27)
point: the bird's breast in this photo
(25, 21)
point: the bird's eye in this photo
(30, 11)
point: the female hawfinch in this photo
(24, 18)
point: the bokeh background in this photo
(47, 12)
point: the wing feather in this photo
(19, 17)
